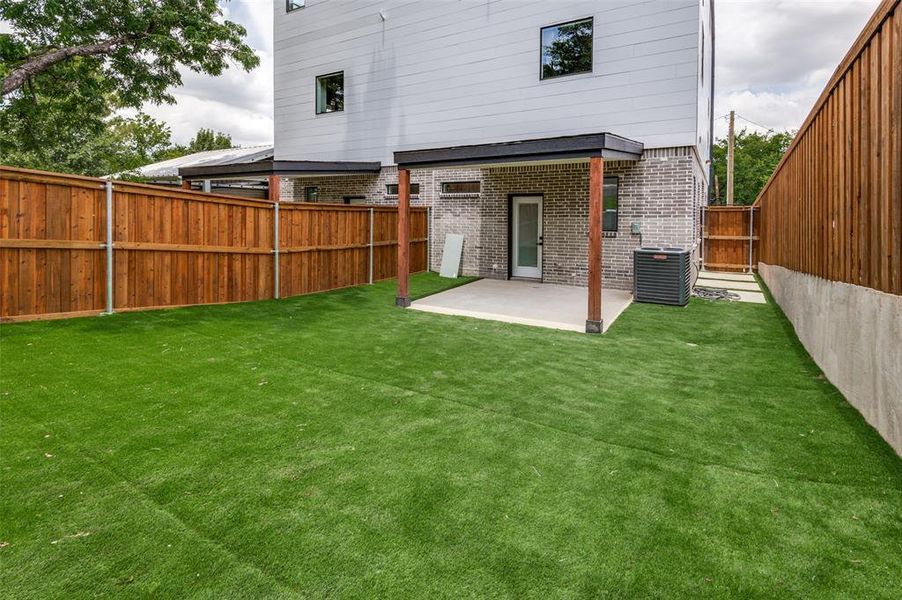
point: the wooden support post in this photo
(596, 188)
(186, 184)
(275, 188)
(403, 298)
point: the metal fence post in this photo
(371, 246)
(109, 246)
(275, 246)
(429, 238)
(751, 234)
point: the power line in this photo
(769, 129)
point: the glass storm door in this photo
(527, 237)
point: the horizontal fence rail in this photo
(833, 207)
(173, 247)
(731, 238)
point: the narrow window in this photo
(610, 204)
(354, 199)
(330, 93)
(567, 48)
(391, 189)
(460, 187)
(311, 193)
(291, 5)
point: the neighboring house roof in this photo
(230, 156)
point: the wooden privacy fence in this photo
(730, 238)
(74, 245)
(833, 207)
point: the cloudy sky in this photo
(773, 59)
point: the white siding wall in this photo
(706, 73)
(450, 72)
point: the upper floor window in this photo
(291, 5)
(330, 93)
(391, 189)
(460, 187)
(567, 48)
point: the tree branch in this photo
(32, 66)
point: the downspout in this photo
(711, 111)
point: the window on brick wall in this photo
(460, 187)
(391, 189)
(311, 193)
(611, 204)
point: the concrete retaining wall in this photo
(854, 335)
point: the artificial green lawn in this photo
(333, 445)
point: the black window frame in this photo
(350, 199)
(293, 5)
(316, 93)
(307, 195)
(477, 182)
(414, 189)
(542, 76)
(616, 181)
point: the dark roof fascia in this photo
(265, 168)
(606, 145)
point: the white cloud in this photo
(236, 102)
(774, 57)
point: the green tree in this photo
(207, 139)
(70, 65)
(117, 144)
(757, 155)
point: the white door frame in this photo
(517, 271)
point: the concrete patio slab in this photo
(751, 286)
(726, 276)
(753, 297)
(742, 284)
(525, 302)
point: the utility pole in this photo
(731, 141)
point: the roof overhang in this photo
(285, 168)
(575, 147)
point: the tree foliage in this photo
(207, 139)
(70, 66)
(756, 157)
(204, 139)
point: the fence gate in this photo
(730, 238)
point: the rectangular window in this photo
(291, 5)
(460, 187)
(311, 194)
(610, 203)
(391, 189)
(567, 49)
(354, 199)
(330, 93)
